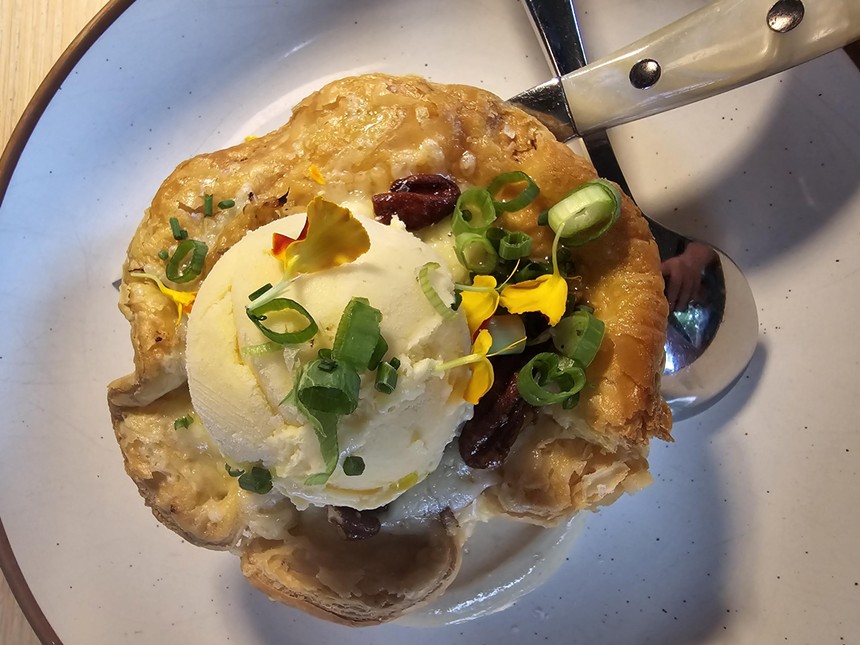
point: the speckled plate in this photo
(748, 534)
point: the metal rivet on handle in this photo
(785, 15)
(645, 73)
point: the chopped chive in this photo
(259, 292)
(233, 472)
(175, 271)
(259, 481)
(163, 254)
(183, 422)
(386, 376)
(226, 203)
(353, 466)
(395, 363)
(207, 205)
(179, 233)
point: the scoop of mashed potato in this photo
(239, 391)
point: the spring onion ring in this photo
(586, 212)
(522, 200)
(476, 252)
(430, 293)
(549, 378)
(578, 336)
(174, 269)
(256, 314)
(474, 212)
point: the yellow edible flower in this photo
(546, 294)
(182, 299)
(331, 237)
(482, 369)
(480, 301)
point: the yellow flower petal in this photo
(546, 294)
(182, 299)
(480, 305)
(333, 237)
(482, 370)
(314, 174)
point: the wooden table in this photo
(33, 34)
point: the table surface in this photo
(33, 34)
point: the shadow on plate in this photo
(653, 568)
(786, 174)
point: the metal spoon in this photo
(713, 322)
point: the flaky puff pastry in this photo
(350, 140)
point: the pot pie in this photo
(318, 381)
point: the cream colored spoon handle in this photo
(717, 48)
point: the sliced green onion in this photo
(325, 427)
(257, 480)
(495, 235)
(522, 200)
(532, 270)
(329, 386)
(179, 233)
(515, 245)
(543, 218)
(353, 466)
(386, 377)
(549, 378)
(474, 212)
(458, 300)
(325, 354)
(259, 292)
(357, 334)
(261, 349)
(207, 205)
(163, 254)
(284, 337)
(183, 422)
(476, 253)
(226, 203)
(578, 336)
(394, 362)
(176, 272)
(586, 212)
(430, 293)
(508, 333)
(233, 472)
(378, 353)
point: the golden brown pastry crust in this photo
(362, 133)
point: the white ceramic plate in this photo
(748, 534)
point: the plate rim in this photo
(18, 140)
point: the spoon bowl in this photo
(712, 329)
